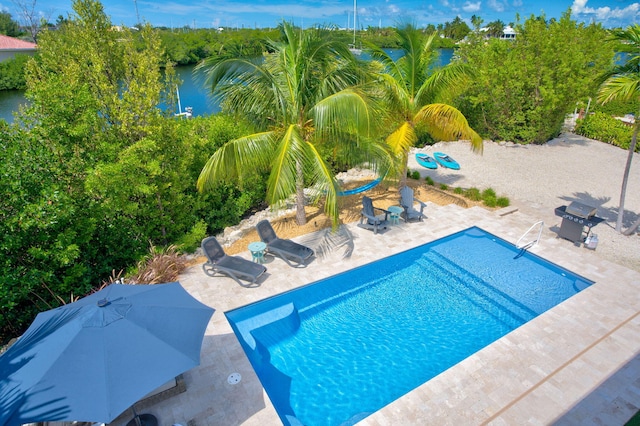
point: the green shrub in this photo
(490, 201)
(458, 190)
(444, 186)
(191, 241)
(473, 194)
(503, 202)
(415, 175)
(488, 193)
(605, 128)
(429, 181)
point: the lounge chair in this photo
(291, 252)
(234, 267)
(408, 204)
(368, 218)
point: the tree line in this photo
(94, 173)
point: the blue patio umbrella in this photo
(92, 359)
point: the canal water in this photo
(192, 92)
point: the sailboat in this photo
(352, 47)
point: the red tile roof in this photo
(10, 43)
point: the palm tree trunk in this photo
(405, 169)
(301, 216)
(633, 228)
(625, 178)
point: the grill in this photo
(580, 210)
(575, 217)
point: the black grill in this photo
(580, 210)
(575, 217)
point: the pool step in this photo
(286, 314)
(481, 293)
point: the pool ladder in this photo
(531, 243)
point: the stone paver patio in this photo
(578, 363)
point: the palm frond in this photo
(322, 178)
(447, 123)
(402, 139)
(345, 111)
(450, 79)
(236, 157)
(288, 156)
(619, 87)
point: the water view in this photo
(192, 91)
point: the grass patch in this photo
(473, 194)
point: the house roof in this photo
(11, 43)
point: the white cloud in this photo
(579, 7)
(496, 5)
(471, 7)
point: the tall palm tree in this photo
(623, 82)
(411, 85)
(304, 95)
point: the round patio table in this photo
(257, 251)
(395, 214)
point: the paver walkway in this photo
(578, 363)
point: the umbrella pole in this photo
(135, 416)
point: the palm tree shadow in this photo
(610, 214)
(327, 242)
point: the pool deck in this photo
(576, 364)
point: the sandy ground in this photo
(536, 178)
(539, 178)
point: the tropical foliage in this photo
(304, 100)
(605, 128)
(523, 88)
(93, 172)
(413, 93)
(623, 82)
(12, 73)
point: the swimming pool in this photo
(335, 351)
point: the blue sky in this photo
(267, 13)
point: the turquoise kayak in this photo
(426, 161)
(445, 161)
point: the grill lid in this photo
(580, 210)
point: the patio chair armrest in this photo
(386, 212)
(371, 218)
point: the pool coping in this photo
(551, 370)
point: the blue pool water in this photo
(335, 351)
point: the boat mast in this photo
(355, 11)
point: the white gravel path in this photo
(539, 178)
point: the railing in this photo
(532, 242)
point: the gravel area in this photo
(539, 178)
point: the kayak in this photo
(445, 161)
(426, 161)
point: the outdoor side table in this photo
(395, 214)
(257, 251)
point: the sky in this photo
(306, 13)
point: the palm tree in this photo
(409, 85)
(304, 95)
(623, 82)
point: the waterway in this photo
(193, 92)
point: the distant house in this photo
(10, 47)
(508, 33)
